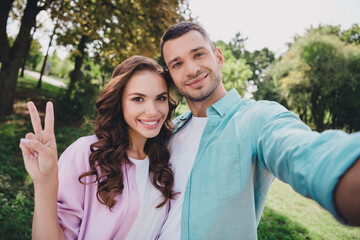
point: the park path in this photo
(46, 79)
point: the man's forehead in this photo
(185, 44)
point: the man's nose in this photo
(192, 69)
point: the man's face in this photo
(194, 66)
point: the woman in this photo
(115, 184)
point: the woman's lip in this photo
(197, 82)
(150, 124)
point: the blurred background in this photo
(302, 54)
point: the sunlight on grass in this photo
(310, 220)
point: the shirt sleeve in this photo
(310, 162)
(70, 202)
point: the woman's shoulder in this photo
(82, 143)
(79, 151)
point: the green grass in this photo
(288, 215)
(16, 189)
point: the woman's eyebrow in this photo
(137, 94)
(164, 93)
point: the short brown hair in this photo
(179, 29)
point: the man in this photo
(227, 150)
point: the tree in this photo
(259, 61)
(113, 29)
(34, 57)
(351, 35)
(235, 71)
(27, 52)
(11, 56)
(46, 56)
(319, 77)
(237, 45)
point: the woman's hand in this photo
(39, 148)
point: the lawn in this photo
(287, 215)
(16, 189)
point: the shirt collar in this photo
(223, 106)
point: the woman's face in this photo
(145, 104)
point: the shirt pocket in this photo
(223, 172)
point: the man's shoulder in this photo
(259, 106)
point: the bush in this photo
(73, 104)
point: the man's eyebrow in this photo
(173, 60)
(191, 51)
(197, 49)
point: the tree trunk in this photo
(27, 52)
(76, 73)
(11, 58)
(46, 56)
(8, 75)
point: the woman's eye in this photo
(138, 99)
(162, 98)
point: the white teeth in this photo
(149, 123)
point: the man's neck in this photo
(198, 109)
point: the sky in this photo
(271, 23)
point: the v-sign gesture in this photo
(39, 148)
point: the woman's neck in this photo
(136, 153)
(136, 149)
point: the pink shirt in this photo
(81, 215)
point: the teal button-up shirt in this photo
(245, 145)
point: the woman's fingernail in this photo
(24, 140)
(36, 154)
(31, 156)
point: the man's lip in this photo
(197, 81)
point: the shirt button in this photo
(224, 115)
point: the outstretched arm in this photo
(347, 194)
(40, 159)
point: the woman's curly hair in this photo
(108, 154)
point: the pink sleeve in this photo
(71, 194)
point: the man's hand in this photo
(347, 194)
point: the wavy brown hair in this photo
(108, 154)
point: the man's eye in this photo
(176, 65)
(138, 99)
(199, 54)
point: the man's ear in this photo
(220, 57)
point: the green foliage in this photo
(35, 56)
(114, 30)
(351, 35)
(16, 188)
(259, 61)
(318, 78)
(237, 45)
(235, 71)
(55, 64)
(243, 67)
(320, 74)
(73, 104)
